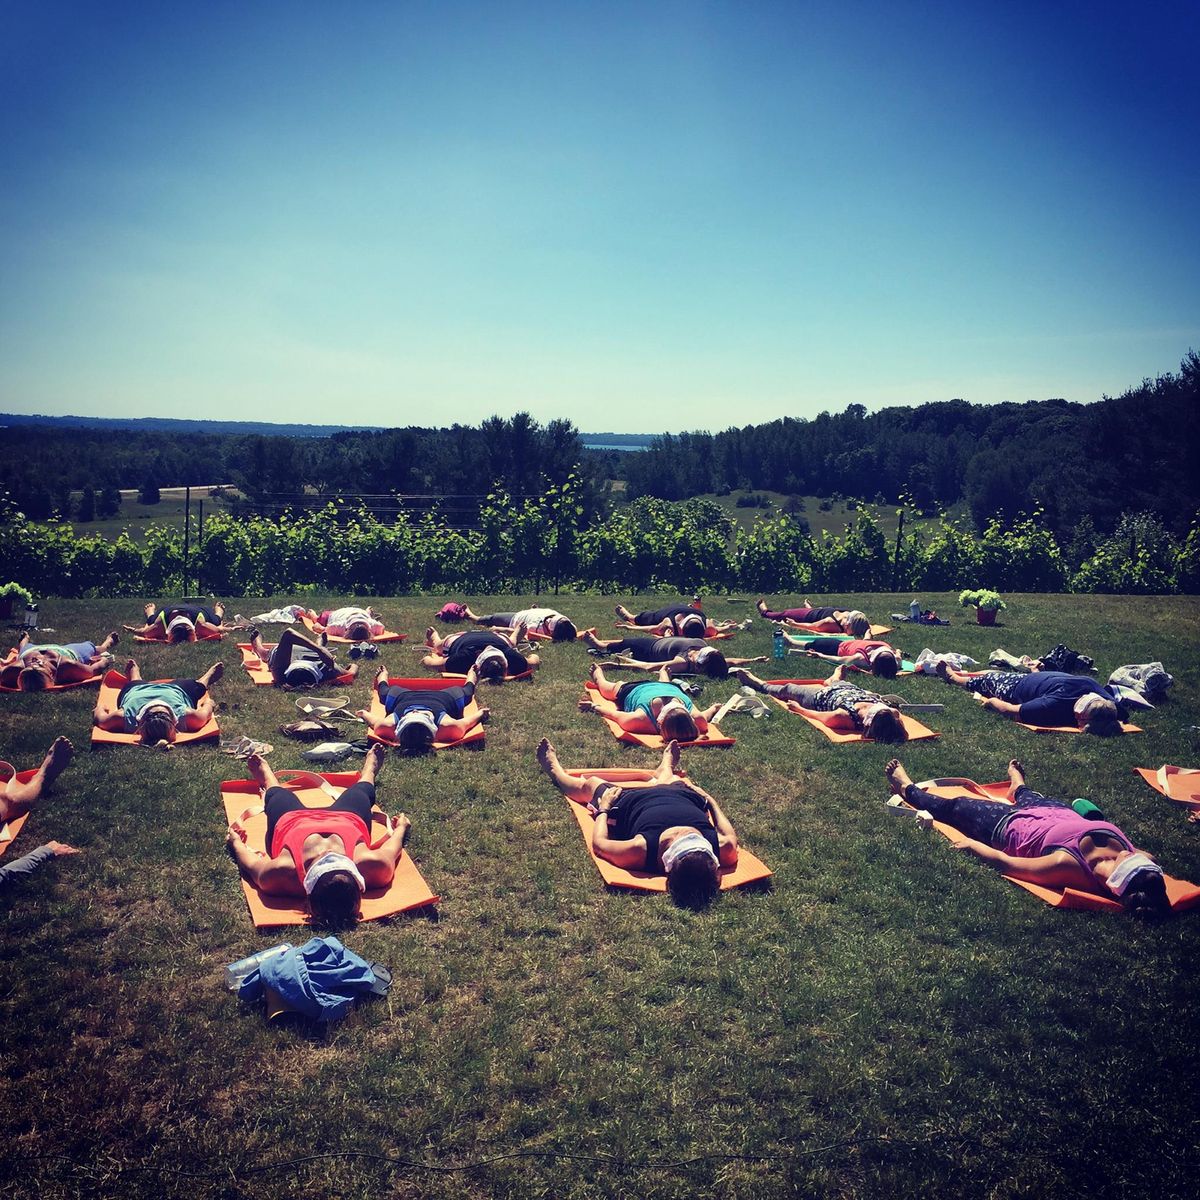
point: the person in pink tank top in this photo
(323, 854)
(1044, 841)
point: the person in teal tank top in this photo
(660, 707)
(159, 710)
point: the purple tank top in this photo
(1042, 829)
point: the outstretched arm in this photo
(272, 876)
(378, 864)
(727, 842)
(104, 716)
(1000, 706)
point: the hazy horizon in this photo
(403, 214)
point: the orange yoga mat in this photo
(202, 635)
(474, 736)
(454, 677)
(385, 636)
(10, 829)
(916, 731)
(748, 870)
(113, 682)
(406, 891)
(1181, 784)
(10, 659)
(1125, 728)
(261, 673)
(655, 741)
(1180, 893)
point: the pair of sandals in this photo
(364, 650)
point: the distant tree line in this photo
(1137, 452)
(1080, 465)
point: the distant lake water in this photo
(610, 446)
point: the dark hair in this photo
(564, 631)
(1146, 896)
(30, 679)
(886, 727)
(491, 668)
(693, 881)
(886, 665)
(415, 738)
(679, 727)
(714, 665)
(335, 899)
(157, 726)
(180, 632)
(694, 621)
(364, 633)
(1104, 721)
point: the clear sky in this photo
(639, 216)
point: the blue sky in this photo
(641, 217)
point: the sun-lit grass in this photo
(887, 1019)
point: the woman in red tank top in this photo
(324, 854)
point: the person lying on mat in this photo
(1044, 841)
(351, 622)
(867, 655)
(323, 854)
(42, 665)
(675, 620)
(681, 656)
(667, 825)
(820, 620)
(492, 652)
(852, 707)
(1045, 698)
(182, 622)
(547, 621)
(645, 706)
(298, 661)
(416, 716)
(159, 711)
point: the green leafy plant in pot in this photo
(12, 594)
(986, 604)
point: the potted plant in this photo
(10, 593)
(986, 604)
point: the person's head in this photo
(882, 723)
(156, 724)
(302, 674)
(358, 631)
(415, 731)
(1097, 715)
(181, 629)
(35, 677)
(676, 724)
(693, 876)
(561, 629)
(709, 661)
(692, 625)
(491, 664)
(1137, 881)
(334, 886)
(857, 624)
(885, 662)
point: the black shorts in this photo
(358, 799)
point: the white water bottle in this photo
(914, 610)
(236, 972)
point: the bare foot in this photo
(672, 754)
(1016, 774)
(403, 824)
(430, 634)
(897, 776)
(257, 768)
(485, 715)
(741, 675)
(57, 759)
(547, 757)
(762, 607)
(376, 757)
(130, 667)
(381, 676)
(594, 670)
(114, 639)
(215, 672)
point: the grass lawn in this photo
(889, 1018)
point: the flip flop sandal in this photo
(243, 747)
(309, 731)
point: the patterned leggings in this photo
(978, 819)
(995, 684)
